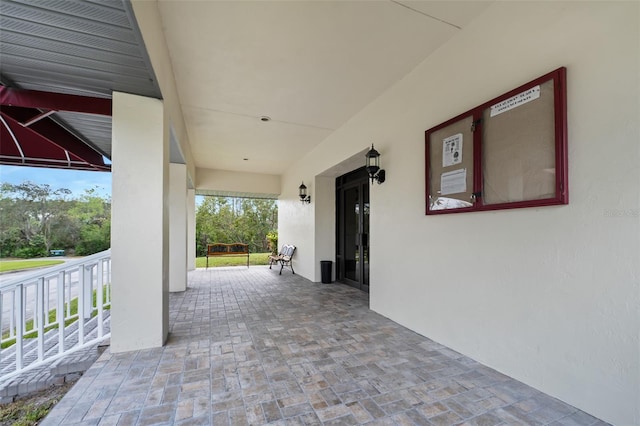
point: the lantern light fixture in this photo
(303, 194)
(373, 166)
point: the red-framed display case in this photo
(509, 152)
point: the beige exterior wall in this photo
(237, 182)
(550, 295)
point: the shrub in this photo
(35, 248)
(272, 239)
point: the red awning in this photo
(30, 137)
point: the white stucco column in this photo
(191, 229)
(177, 227)
(139, 223)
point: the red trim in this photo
(54, 101)
(427, 170)
(561, 148)
(562, 152)
(477, 159)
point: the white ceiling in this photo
(308, 65)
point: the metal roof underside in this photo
(87, 48)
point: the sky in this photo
(74, 180)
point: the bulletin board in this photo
(510, 152)
(451, 147)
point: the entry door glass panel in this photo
(352, 233)
(365, 235)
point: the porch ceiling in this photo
(310, 66)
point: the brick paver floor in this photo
(249, 346)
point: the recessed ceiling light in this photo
(265, 118)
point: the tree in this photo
(33, 211)
(93, 214)
(10, 230)
(235, 220)
(36, 218)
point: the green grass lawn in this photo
(17, 265)
(254, 259)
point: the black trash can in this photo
(325, 271)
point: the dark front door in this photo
(352, 254)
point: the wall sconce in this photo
(373, 166)
(303, 194)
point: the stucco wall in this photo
(240, 182)
(150, 23)
(550, 296)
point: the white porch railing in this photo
(54, 311)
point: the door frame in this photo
(353, 179)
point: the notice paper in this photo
(452, 150)
(516, 101)
(453, 182)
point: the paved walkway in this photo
(248, 346)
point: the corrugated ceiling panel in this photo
(69, 77)
(82, 47)
(67, 59)
(96, 128)
(68, 35)
(28, 41)
(57, 18)
(101, 10)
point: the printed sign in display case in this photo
(510, 152)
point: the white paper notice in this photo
(516, 101)
(452, 150)
(453, 182)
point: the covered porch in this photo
(249, 346)
(253, 98)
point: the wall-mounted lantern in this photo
(303, 194)
(373, 166)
